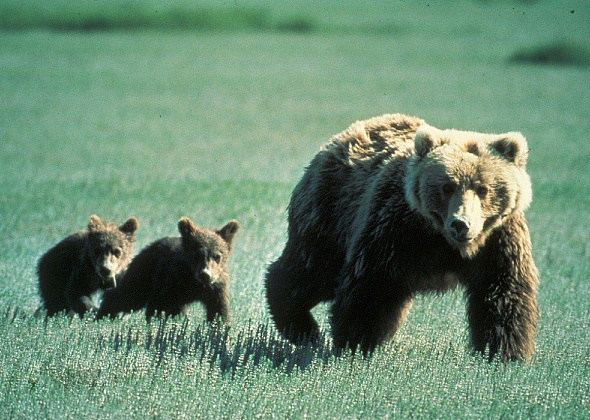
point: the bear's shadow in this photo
(256, 344)
(215, 345)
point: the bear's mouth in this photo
(108, 282)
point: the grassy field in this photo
(218, 122)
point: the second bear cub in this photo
(168, 275)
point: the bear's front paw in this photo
(505, 346)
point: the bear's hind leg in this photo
(367, 318)
(54, 307)
(291, 293)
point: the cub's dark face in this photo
(207, 251)
(110, 248)
(207, 257)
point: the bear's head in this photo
(110, 248)
(206, 251)
(466, 183)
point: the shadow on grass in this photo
(256, 345)
(210, 345)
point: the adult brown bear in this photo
(393, 207)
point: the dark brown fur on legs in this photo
(290, 306)
(355, 325)
(501, 306)
(297, 282)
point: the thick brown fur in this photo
(84, 263)
(393, 207)
(168, 275)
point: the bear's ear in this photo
(95, 223)
(130, 226)
(228, 231)
(512, 147)
(426, 139)
(186, 227)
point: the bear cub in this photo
(393, 207)
(168, 275)
(84, 263)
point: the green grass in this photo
(219, 124)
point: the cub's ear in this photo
(512, 147)
(95, 223)
(186, 227)
(427, 138)
(228, 231)
(130, 226)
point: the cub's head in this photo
(110, 248)
(466, 183)
(207, 251)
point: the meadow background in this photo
(212, 109)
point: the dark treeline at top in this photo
(15, 16)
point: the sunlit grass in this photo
(112, 367)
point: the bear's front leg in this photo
(365, 314)
(220, 309)
(80, 305)
(78, 296)
(217, 304)
(502, 297)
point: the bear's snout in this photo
(107, 271)
(459, 229)
(108, 279)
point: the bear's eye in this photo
(448, 188)
(216, 258)
(117, 252)
(482, 191)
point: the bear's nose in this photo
(459, 228)
(105, 272)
